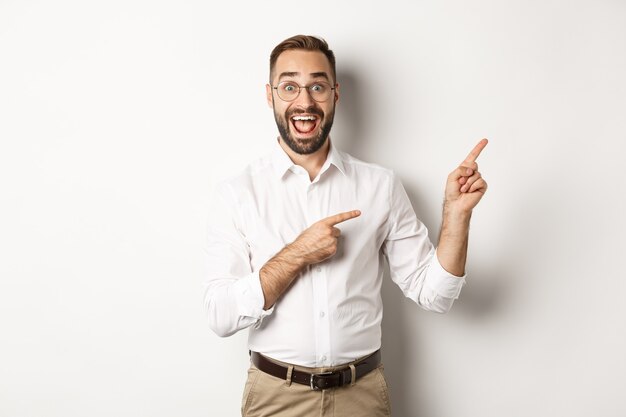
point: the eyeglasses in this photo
(289, 91)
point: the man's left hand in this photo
(465, 186)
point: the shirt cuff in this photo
(442, 282)
(250, 298)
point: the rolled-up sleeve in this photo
(233, 297)
(412, 258)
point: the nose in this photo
(304, 97)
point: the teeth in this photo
(303, 118)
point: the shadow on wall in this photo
(351, 115)
(401, 355)
(405, 325)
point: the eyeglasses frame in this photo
(300, 89)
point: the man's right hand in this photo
(313, 245)
(319, 241)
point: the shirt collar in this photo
(282, 162)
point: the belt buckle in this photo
(313, 386)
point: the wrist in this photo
(452, 212)
(295, 256)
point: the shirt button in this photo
(323, 358)
(318, 269)
(322, 314)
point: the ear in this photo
(336, 92)
(269, 95)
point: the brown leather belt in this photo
(320, 381)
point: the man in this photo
(296, 245)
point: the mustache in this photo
(309, 110)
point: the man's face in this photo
(304, 68)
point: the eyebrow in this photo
(321, 74)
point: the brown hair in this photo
(306, 42)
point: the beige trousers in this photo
(267, 396)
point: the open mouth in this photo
(305, 124)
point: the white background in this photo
(118, 117)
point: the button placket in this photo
(317, 286)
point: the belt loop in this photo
(289, 372)
(353, 371)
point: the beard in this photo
(305, 146)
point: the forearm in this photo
(315, 244)
(278, 273)
(453, 240)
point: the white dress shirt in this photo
(332, 312)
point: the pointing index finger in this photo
(473, 155)
(341, 217)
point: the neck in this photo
(312, 162)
